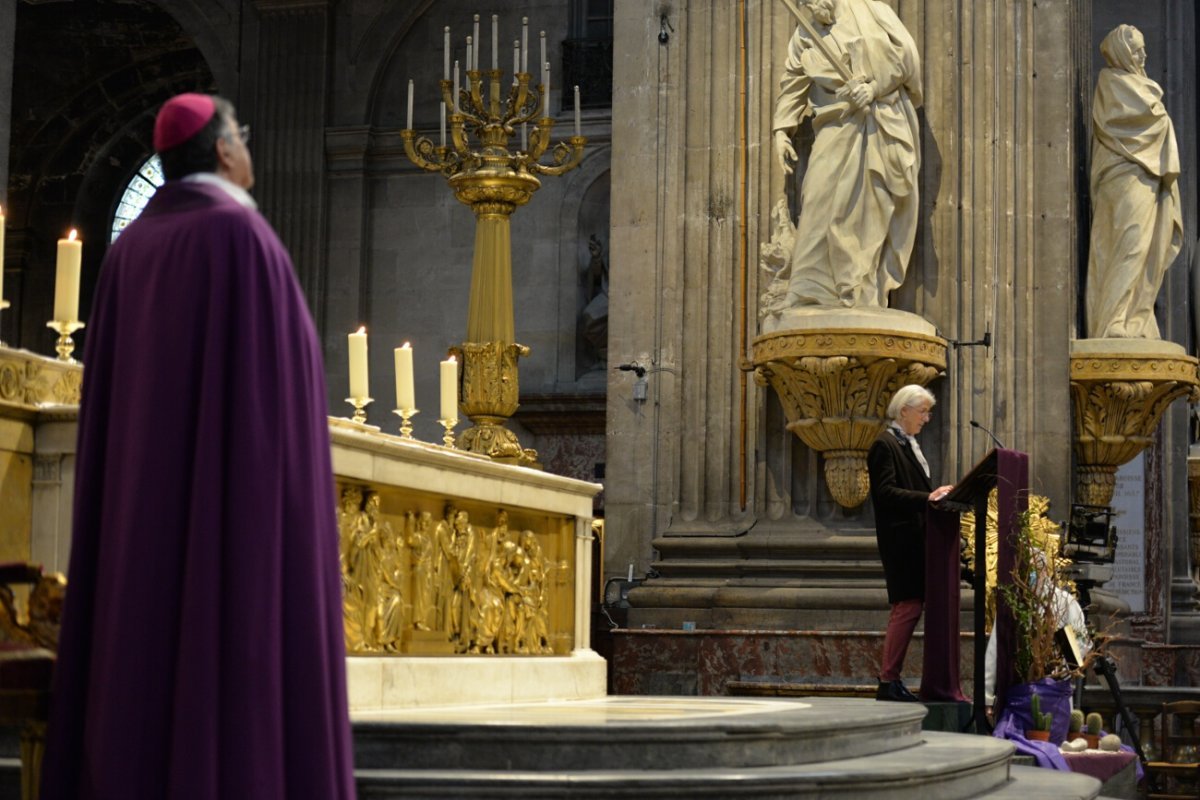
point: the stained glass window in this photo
(139, 191)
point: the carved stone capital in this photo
(835, 386)
(1118, 399)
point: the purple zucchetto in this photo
(181, 118)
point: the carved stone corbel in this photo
(835, 386)
(1119, 393)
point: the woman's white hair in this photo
(907, 397)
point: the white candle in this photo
(1, 253)
(456, 87)
(495, 41)
(446, 53)
(546, 83)
(578, 126)
(358, 364)
(449, 375)
(405, 398)
(410, 102)
(470, 63)
(630, 577)
(442, 120)
(474, 64)
(66, 282)
(524, 44)
(516, 58)
(542, 38)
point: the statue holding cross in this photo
(854, 69)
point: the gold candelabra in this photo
(493, 180)
(406, 415)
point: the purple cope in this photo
(202, 649)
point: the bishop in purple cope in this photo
(202, 653)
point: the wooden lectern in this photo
(1008, 470)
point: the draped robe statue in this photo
(1137, 227)
(858, 207)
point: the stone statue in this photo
(1137, 227)
(593, 319)
(856, 71)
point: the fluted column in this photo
(290, 90)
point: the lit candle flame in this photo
(451, 358)
(406, 346)
(71, 236)
(361, 328)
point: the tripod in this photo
(1107, 671)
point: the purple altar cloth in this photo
(202, 650)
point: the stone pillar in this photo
(998, 251)
(290, 67)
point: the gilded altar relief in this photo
(426, 576)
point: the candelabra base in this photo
(406, 415)
(65, 345)
(489, 437)
(448, 436)
(360, 404)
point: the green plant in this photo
(1076, 723)
(1030, 598)
(1094, 723)
(1041, 722)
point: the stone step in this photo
(946, 766)
(637, 733)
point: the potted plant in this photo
(1075, 726)
(1041, 722)
(1092, 734)
(1040, 599)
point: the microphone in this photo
(999, 444)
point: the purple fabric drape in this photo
(940, 679)
(1012, 495)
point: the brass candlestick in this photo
(359, 403)
(493, 180)
(406, 414)
(448, 437)
(65, 345)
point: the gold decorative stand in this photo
(493, 180)
(835, 386)
(1120, 389)
(65, 345)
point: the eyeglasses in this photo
(243, 133)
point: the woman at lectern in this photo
(901, 490)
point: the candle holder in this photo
(448, 437)
(359, 404)
(65, 345)
(405, 414)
